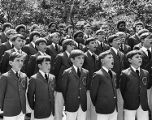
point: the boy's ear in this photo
(129, 59)
(71, 59)
(39, 65)
(10, 62)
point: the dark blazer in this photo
(103, 92)
(134, 89)
(118, 63)
(4, 47)
(101, 47)
(53, 53)
(3, 37)
(61, 63)
(41, 95)
(4, 63)
(125, 49)
(29, 49)
(133, 40)
(147, 63)
(92, 65)
(74, 89)
(12, 93)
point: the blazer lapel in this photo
(74, 72)
(133, 72)
(41, 77)
(13, 75)
(105, 73)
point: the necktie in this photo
(149, 53)
(46, 77)
(94, 57)
(17, 75)
(121, 47)
(12, 46)
(56, 47)
(110, 73)
(137, 71)
(78, 72)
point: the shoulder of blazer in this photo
(85, 70)
(144, 71)
(126, 71)
(51, 76)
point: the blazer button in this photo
(80, 88)
(78, 97)
(114, 97)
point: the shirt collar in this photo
(75, 68)
(67, 53)
(115, 50)
(53, 45)
(16, 50)
(90, 52)
(105, 69)
(42, 53)
(15, 71)
(10, 43)
(145, 50)
(134, 69)
(33, 44)
(42, 73)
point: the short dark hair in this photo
(89, 40)
(104, 54)
(137, 23)
(5, 25)
(132, 53)
(42, 58)
(32, 34)
(40, 40)
(77, 33)
(67, 42)
(52, 24)
(19, 27)
(119, 23)
(16, 36)
(112, 37)
(15, 55)
(75, 53)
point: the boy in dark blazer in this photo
(103, 89)
(74, 87)
(133, 85)
(41, 45)
(18, 42)
(91, 63)
(13, 86)
(62, 62)
(41, 90)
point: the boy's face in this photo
(122, 38)
(70, 48)
(108, 61)
(138, 27)
(35, 37)
(45, 66)
(18, 43)
(136, 60)
(88, 30)
(42, 46)
(78, 61)
(55, 38)
(101, 37)
(116, 43)
(70, 30)
(92, 46)
(17, 63)
(147, 42)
